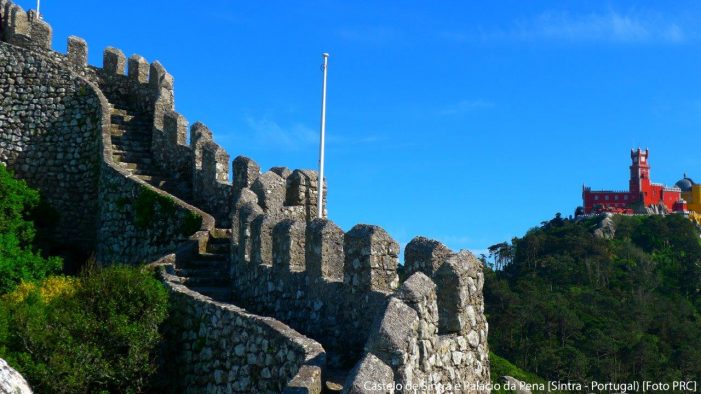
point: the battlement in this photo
(148, 88)
(327, 283)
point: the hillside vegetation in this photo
(567, 305)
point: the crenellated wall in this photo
(300, 274)
(342, 289)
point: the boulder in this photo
(11, 382)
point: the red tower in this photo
(639, 171)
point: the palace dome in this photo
(685, 183)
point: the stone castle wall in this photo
(219, 347)
(48, 136)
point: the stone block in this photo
(424, 255)
(370, 375)
(370, 261)
(246, 215)
(454, 280)
(270, 188)
(288, 245)
(175, 128)
(113, 61)
(246, 171)
(138, 69)
(262, 233)
(324, 250)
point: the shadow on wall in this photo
(49, 137)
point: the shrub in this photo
(18, 259)
(96, 333)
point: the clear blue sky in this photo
(468, 122)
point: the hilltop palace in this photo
(644, 196)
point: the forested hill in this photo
(567, 305)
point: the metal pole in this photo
(38, 5)
(320, 202)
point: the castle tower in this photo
(639, 172)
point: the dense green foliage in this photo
(96, 333)
(571, 306)
(18, 258)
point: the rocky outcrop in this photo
(606, 228)
(11, 382)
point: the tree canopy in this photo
(567, 305)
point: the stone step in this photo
(205, 281)
(201, 272)
(132, 148)
(132, 158)
(122, 129)
(218, 293)
(118, 112)
(131, 137)
(221, 233)
(120, 118)
(147, 177)
(128, 166)
(218, 247)
(131, 155)
(208, 260)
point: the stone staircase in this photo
(131, 137)
(207, 273)
(131, 150)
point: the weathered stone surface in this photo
(324, 254)
(371, 259)
(138, 69)
(606, 228)
(424, 255)
(270, 189)
(217, 347)
(113, 61)
(11, 382)
(393, 340)
(246, 171)
(77, 52)
(370, 375)
(288, 245)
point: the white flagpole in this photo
(38, 4)
(320, 202)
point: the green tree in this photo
(18, 258)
